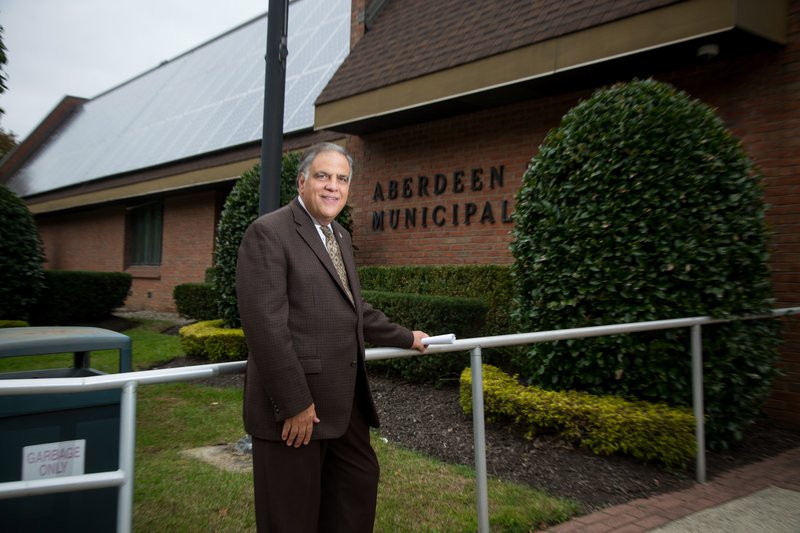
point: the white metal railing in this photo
(123, 476)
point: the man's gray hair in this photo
(313, 151)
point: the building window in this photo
(144, 234)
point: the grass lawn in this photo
(176, 493)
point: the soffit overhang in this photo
(664, 37)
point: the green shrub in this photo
(492, 284)
(605, 425)
(240, 210)
(211, 340)
(73, 296)
(641, 206)
(435, 315)
(196, 300)
(21, 258)
(13, 324)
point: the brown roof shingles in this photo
(412, 38)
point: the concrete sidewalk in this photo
(762, 497)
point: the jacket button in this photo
(353, 363)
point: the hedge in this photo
(73, 296)
(435, 315)
(196, 300)
(212, 341)
(491, 284)
(652, 432)
(13, 324)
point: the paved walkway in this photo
(762, 497)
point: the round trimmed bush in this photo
(21, 258)
(641, 206)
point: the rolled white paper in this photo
(449, 338)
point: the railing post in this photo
(479, 436)
(127, 449)
(697, 402)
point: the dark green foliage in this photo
(196, 300)
(492, 284)
(240, 210)
(71, 297)
(435, 315)
(640, 206)
(21, 258)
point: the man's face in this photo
(324, 191)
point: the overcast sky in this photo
(82, 48)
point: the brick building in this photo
(443, 104)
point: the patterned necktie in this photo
(336, 257)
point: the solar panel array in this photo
(207, 99)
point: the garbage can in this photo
(51, 435)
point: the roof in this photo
(422, 59)
(208, 99)
(455, 32)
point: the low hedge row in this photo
(602, 424)
(13, 324)
(72, 296)
(491, 284)
(465, 317)
(210, 340)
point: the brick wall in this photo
(86, 240)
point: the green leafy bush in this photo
(73, 296)
(240, 210)
(491, 284)
(434, 315)
(196, 300)
(605, 425)
(13, 324)
(640, 206)
(21, 258)
(213, 341)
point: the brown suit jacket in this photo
(305, 339)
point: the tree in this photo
(640, 206)
(21, 258)
(7, 142)
(7, 139)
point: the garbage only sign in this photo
(54, 459)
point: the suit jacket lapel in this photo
(308, 231)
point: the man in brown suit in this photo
(308, 406)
